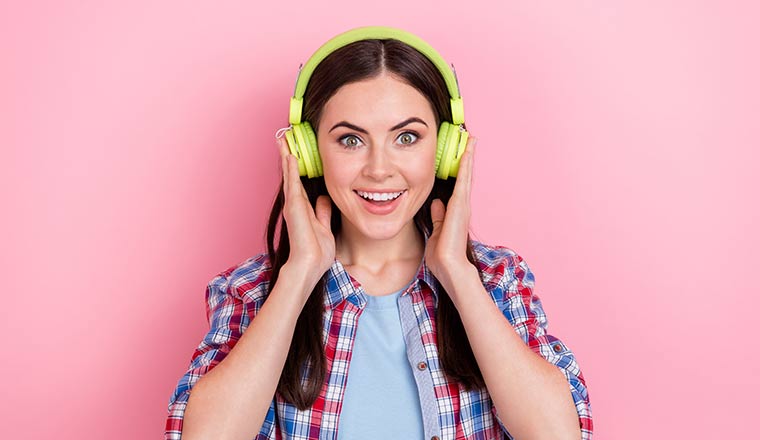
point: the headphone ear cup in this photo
(313, 148)
(443, 135)
(448, 144)
(452, 141)
(309, 163)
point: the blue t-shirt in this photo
(381, 400)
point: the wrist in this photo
(299, 279)
(459, 277)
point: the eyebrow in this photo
(395, 127)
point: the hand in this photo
(312, 245)
(446, 249)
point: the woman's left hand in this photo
(446, 249)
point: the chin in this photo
(381, 232)
(380, 228)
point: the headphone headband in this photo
(381, 33)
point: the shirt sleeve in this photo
(228, 317)
(523, 308)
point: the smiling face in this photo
(378, 136)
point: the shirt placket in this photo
(415, 353)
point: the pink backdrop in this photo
(618, 155)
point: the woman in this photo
(374, 270)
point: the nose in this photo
(379, 163)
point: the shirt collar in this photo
(340, 285)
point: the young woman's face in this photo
(378, 136)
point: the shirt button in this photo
(421, 366)
(557, 348)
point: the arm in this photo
(520, 370)
(537, 388)
(235, 368)
(250, 365)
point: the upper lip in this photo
(380, 190)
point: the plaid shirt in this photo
(235, 296)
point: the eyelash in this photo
(413, 133)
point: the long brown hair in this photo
(355, 62)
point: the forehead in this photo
(382, 101)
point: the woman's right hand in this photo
(312, 245)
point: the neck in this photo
(356, 249)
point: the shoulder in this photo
(247, 280)
(497, 262)
(500, 267)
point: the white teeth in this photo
(379, 196)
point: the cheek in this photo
(338, 172)
(422, 178)
(330, 170)
(339, 177)
(426, 167)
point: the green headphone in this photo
(452, 137)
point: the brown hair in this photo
(355, 62)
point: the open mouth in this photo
(380, 203)
(380, 199)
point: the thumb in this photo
(437, 213)
(323, 210)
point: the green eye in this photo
(407, 137)
(351, 141)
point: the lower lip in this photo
(383, 209)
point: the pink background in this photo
(618, 155)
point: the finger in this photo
(295, 189)
(299, 200)
(295, 178)
(323, 210)
(463, 186)
(284, 163)
(437, 213)
(291, 176)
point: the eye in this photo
(408, 137)
(351, 143)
